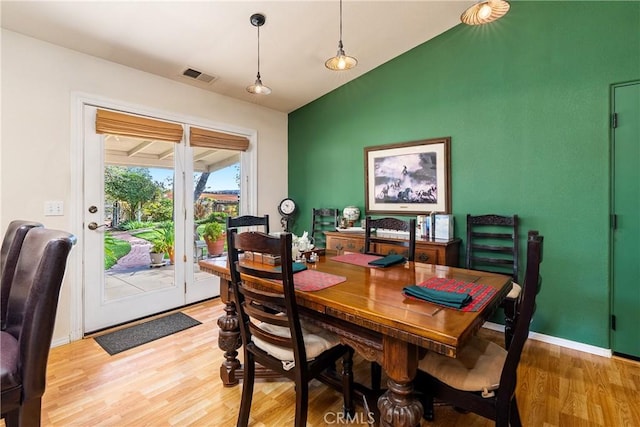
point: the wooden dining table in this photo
(370, 312)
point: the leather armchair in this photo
(31, 312)
(11, 245)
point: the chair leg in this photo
(424, 389)
(376, 375)
(514, 414)
(302, 402)
(249, 372)
(503, 410)
(347, 383)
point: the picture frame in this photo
(408, 178)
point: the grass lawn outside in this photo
(114, 250)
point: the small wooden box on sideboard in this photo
(430, 251)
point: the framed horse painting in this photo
(409, 177)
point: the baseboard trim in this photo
(561, 342)
(59, 342)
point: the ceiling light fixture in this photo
(484, 12)
(341, 61)
(258, 20)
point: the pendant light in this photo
(258, 20)
(341, 61)
(484, 12)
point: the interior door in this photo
(121, 293)
(626, 209)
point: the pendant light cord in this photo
(258, 51)
(340, 23)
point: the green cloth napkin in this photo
(449, 299)
(297, 267)
(388, 260)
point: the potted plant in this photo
(214, 235)
(158, 250)
(163, 243)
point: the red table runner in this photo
(357, 259)
(480, 294)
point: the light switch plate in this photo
(53, 208)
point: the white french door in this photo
(134, 287)
(114, 296)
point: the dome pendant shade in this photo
(258, 20)
(258, 88)
(341, 61)
(484, 12)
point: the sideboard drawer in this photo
(429, 256)
(345, 244)
(382, 249)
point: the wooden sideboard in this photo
(430, 251)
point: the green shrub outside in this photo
(220, 217)
(135, 225)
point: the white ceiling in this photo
(216, 37)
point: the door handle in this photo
(94, 225)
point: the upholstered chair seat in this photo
(515, 291)
(316, 342)
(477, 368)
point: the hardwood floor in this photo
(174, 381)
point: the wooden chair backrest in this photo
(492, 244)
(256, 305)
(396, 224)
(531, 287)
(323, 219)
(248, 221)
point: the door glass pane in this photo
(139, 207)
(216, 186)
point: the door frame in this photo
(248, 182)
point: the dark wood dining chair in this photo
(323, 219)
(31, 313)
(271, 330)
(386, 246)
(248, 221)
(9, 252)
(492, 245)
(483, 378)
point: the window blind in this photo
(115, 123)
(212, 139)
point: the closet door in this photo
(625, 332)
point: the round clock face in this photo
(287, 206)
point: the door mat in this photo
(128, 338)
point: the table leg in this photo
(398, 406)
(229, 338)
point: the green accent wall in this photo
(526, 103)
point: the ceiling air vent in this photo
(198, 76)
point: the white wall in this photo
(37, 82)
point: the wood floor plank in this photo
(174, 381)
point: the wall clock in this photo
(287, 208)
